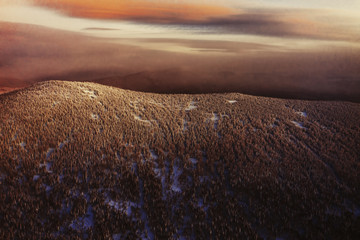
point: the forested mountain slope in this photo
(83, 160)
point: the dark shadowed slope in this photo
(90, 161)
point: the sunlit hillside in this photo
(83, 160)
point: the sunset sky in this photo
(240, 29)
(235, 20)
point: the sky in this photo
(314, 20)
(216, 32)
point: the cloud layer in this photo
(158, 11)
(218, 18)
(278, 24)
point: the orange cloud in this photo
(158, 11)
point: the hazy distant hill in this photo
(31, 53)
(82, 160)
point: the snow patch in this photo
(119, 236)
(90, 93)
(133, 104)
(201, 205)
(185, 125)
(47, 166)
(215, 118)
(275, 124)
(153, 154)
(193, 160)
(175, 178)
(356, 211)
(49, 152)
(298, 124)
(85, 222)
(157, 104)
(117, 154)
(191, 106)
(124, 206)
(138, 118)
(48, 188)
(157, 171)
(2, 177)
(62, 144)
(303, 114)
(143, 214)
(95, 116)
(203, 179)
(36, 177)
(14, 137)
